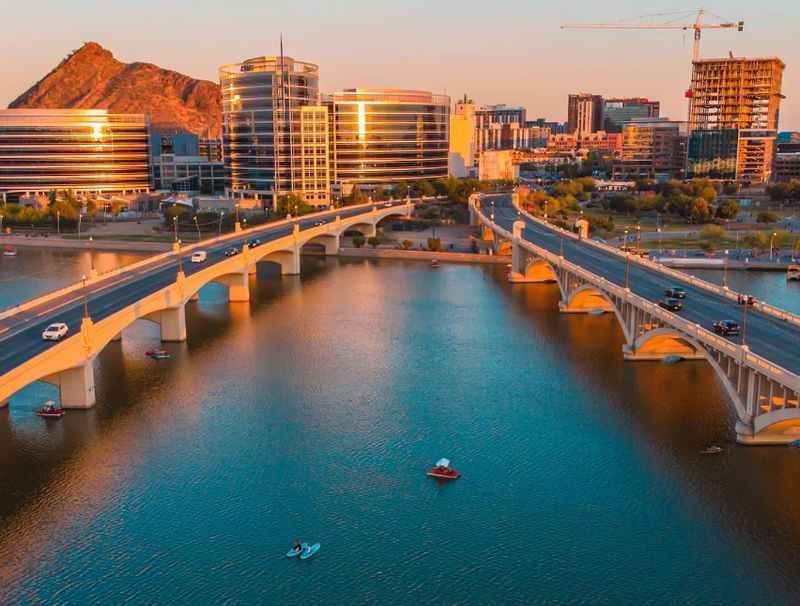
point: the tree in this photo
(727, 209)
(373, 241)
(700, 211)
(766, 217)
(425, 188)
(400, 190)
(292, 204)
(711, 236)
(406, 244)
(357, 196)
(358, 241)
(434, 244)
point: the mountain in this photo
(91, 78)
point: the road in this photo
(769, 337)
(21, 334)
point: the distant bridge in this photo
(156, 289)
(760, 370)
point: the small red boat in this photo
(50, 410)
(435, 264)
(443, 471)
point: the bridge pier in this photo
(3, 404)
(173, 324)
(238, 286)
(76, 386)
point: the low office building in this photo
(382, 136)
(496, 165)
(178, 164)
(786, 167)
(651, 149)
(88, 151)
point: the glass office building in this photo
(382, 136)
(275, 132)
(83, 150)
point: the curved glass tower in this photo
(389, 135)
(275, 133)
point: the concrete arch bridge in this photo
(157, 289)
(761, 374)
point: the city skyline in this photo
(513, 64)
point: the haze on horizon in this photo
(507, 51)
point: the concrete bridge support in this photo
(238, 285)
(330, 242)
(289, 260)
(75, 385)
(117, 337)
(172, 322)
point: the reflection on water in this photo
(35, 271)
(314, 410)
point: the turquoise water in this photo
(313, 412)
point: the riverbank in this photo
(86, 244)
(701, 263)
(423, 255)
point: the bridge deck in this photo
(20, 333)
(772, 338)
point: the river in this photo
(313, 412)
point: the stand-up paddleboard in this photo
(309, 551)
(296, 552)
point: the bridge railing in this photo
(721, 291)
(699, 333)
(156, 259)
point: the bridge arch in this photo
(665, 341)
(588, 298)
(539, 270)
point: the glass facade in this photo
(713, 153)
(271, 145)
(388, 135)
(87, 151)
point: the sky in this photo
(501, 51)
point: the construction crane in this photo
(698, 26)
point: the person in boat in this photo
(297, 545)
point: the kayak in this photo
(309, 551)
(296, 552)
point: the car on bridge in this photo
(254, 242)
(671, 304)
(55, 332)
(199, 256)
(232, 251)
(676, 292)
(726, 328)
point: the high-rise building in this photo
(83, 150)
(651, 149)
(584, 113)
(275, 132)
(381, 136)
(462, 138)
(616, 112)
(733, 118)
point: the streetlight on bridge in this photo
(175, 227)
(772, 245)
(197, 225)
(85, 298)
(219, 230)
(725, 270)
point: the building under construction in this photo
(733, 118)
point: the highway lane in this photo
(20, 335)
(767, 336)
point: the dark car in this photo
(231, 252)
(671, 304)
(318, 223)
(254, 242)
(675, 292)
(726, 328)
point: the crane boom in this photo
(697, 26)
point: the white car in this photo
(199, 256)
(55, 332)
